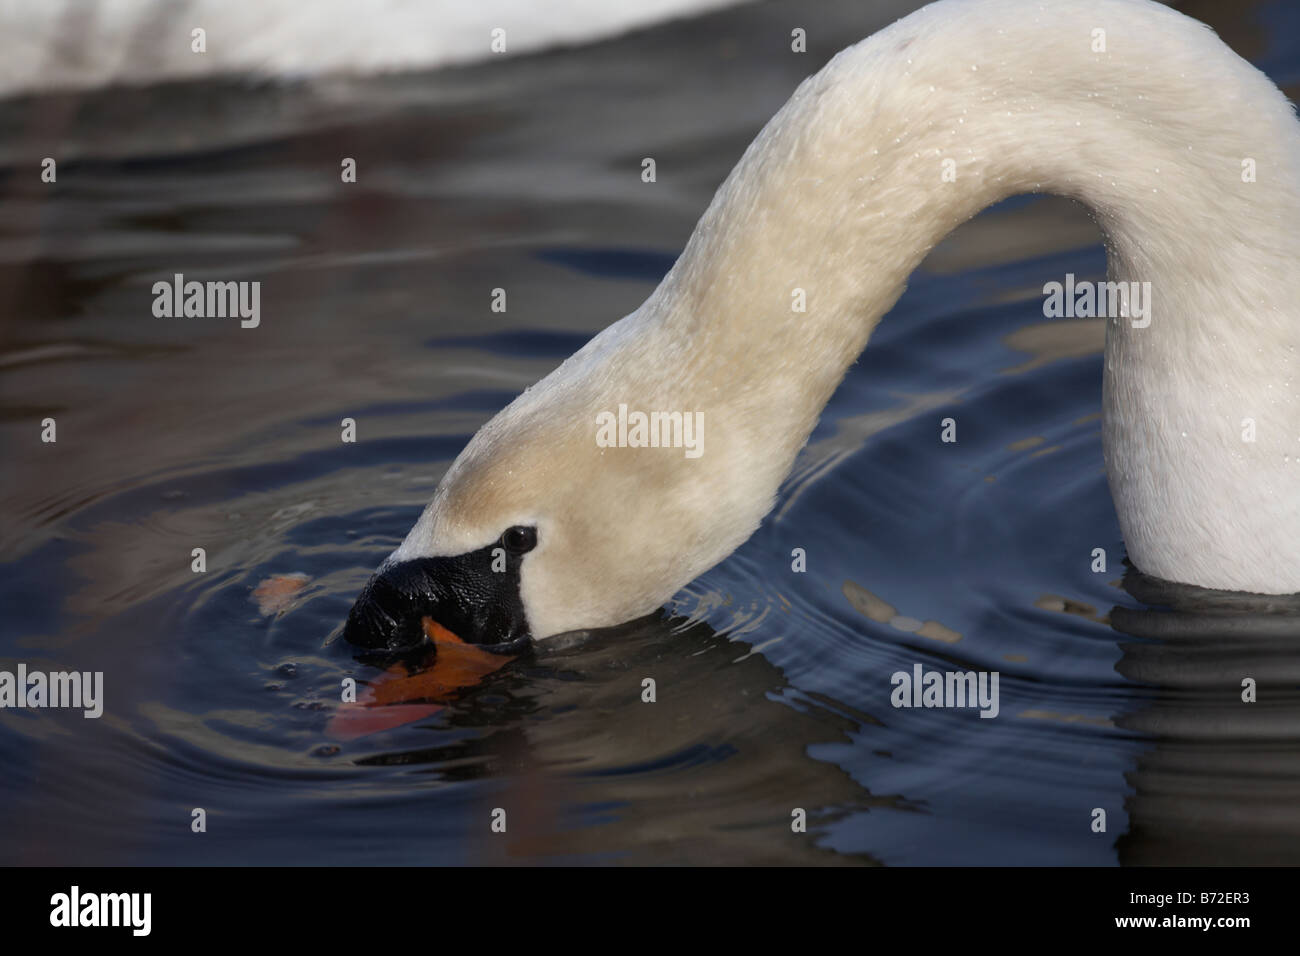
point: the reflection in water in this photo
(596, 770)
(1222, 781)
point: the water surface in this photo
(773, 686)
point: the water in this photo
(773, 688)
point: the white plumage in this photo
(842, 195)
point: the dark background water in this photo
(773, 686)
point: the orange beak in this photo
(401, 695)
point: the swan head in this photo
(539, 527)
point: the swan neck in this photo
(906, 135)
(1188, 159)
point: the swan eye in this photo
(519, 539)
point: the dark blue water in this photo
(773, 685)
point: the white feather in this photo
(71, 44)
(842, 195)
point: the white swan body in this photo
(70, 44)
(842, 195)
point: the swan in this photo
(73, 45)
(1189, 160)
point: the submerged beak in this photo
(463, 594)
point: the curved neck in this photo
(913, 131)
